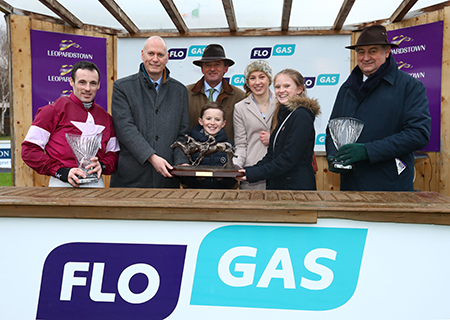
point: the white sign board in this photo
(5, 154)
(111, 269)
(322, 60)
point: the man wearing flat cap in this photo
(394, 109)
(212, 87)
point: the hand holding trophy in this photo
(84, 148)
(344, 131)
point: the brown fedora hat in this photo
(373, 35)
(214, 52)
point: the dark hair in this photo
(83, 65)
(212, 105)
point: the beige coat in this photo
(228, 97)
(248, 124)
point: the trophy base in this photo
(340, 165)
(205, 172)
(88, 179)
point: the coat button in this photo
(156, 138)
(157, 111)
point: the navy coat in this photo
(396, 123)
(287, 163)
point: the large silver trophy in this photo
(343, 131)
(85, 147)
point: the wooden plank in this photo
(258, 32)
(174, 15)
(120, 15)
(229, 13)
(444, 174)
(184, 205)
(20, 97)
(170, 214)
(343, 14)
(286, 15)
(394, 217)
(6, 8)
(402, 10)
(203, 194)
(63, 13)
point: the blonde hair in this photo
(299, 82)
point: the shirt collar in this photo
(146, 74)
(207, 87)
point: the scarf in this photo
(361, 89)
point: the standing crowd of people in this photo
(272, 130)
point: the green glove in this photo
(351, 153)
(331, 168)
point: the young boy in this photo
(211, 123)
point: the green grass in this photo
(5, 179)
(5, 138)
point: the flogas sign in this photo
(297, 268)
(95, 281)
(277, 50)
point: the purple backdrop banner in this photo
(52, 58)
(420, 55)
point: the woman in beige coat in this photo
(252, 118)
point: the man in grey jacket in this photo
(150, 112)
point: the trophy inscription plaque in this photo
(343, 131)
(85, 147)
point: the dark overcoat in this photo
(148, 122)
(287, 163)
(396, 123)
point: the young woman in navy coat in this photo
(287, 163)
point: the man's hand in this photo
(161, 165)
(95, 166)
(72, 178)
(264, 137)
(351, 153)
(331, 168)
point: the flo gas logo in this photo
(177, 53)
(238, 80)
(322, 80)
(94, 281)
(196, 51)
(182, 53)
(277, 50)
(297, 268)
(320, 139)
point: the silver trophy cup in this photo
(85, 147)
(343, 131)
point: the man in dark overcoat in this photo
(394, 109)
(150, 112)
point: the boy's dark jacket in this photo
(215, 159)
